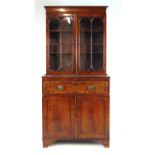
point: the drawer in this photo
(58, 87)
(75, 87)
(93, 87)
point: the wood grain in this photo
(75, 87)
(58, 116)
(75, 104)
(91, 116)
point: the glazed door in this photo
(60, 44)
(90, 117)
(91, 44)
(58, 116)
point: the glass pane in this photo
(54, 46)
(61, 44)
(85, 49)
(54, 61)
(67, 57)
(66, 49)
(97, 44)
(67, 24)
(67, 40)
(84, 57)
(54, 56)
(97, 37)
(97, 24)
(97, 57)
(91, 44)
(85, 62)
(85, 37)
(54, 37)
(85, 44)
(67, 37)
(54, 24)
(85, 24)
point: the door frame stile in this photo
(75, 121)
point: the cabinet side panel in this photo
(107, 116)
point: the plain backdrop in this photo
(130, 63)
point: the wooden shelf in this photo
(59, 53)
(60, 31)
(97, 44)
(94, 44)
(58, 44)
(91, 31)
(90, 53)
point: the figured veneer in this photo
(75, 89)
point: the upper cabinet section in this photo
(76, 40)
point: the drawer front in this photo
(93, 87)
(75, 87)
(58, 87)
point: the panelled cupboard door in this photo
(60, 44)
(90, 117)
(58, 117)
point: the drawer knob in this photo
(90, 87)
(60, 87)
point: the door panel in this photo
(58, 116)
(60, 44)
(91, 44)
(90, 117)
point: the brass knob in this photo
(90, 87)
(60, 87)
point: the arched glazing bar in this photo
(66, 44)
(97, 43)
(91, 28)
(54, 43)
(84, 43)
(61, 43)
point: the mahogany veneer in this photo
(75, 88)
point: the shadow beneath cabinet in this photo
(76, 142)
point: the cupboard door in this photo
(58, 117)
(91, 44)
(90, 117)
(60, 31)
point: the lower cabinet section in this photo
(68, 117)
